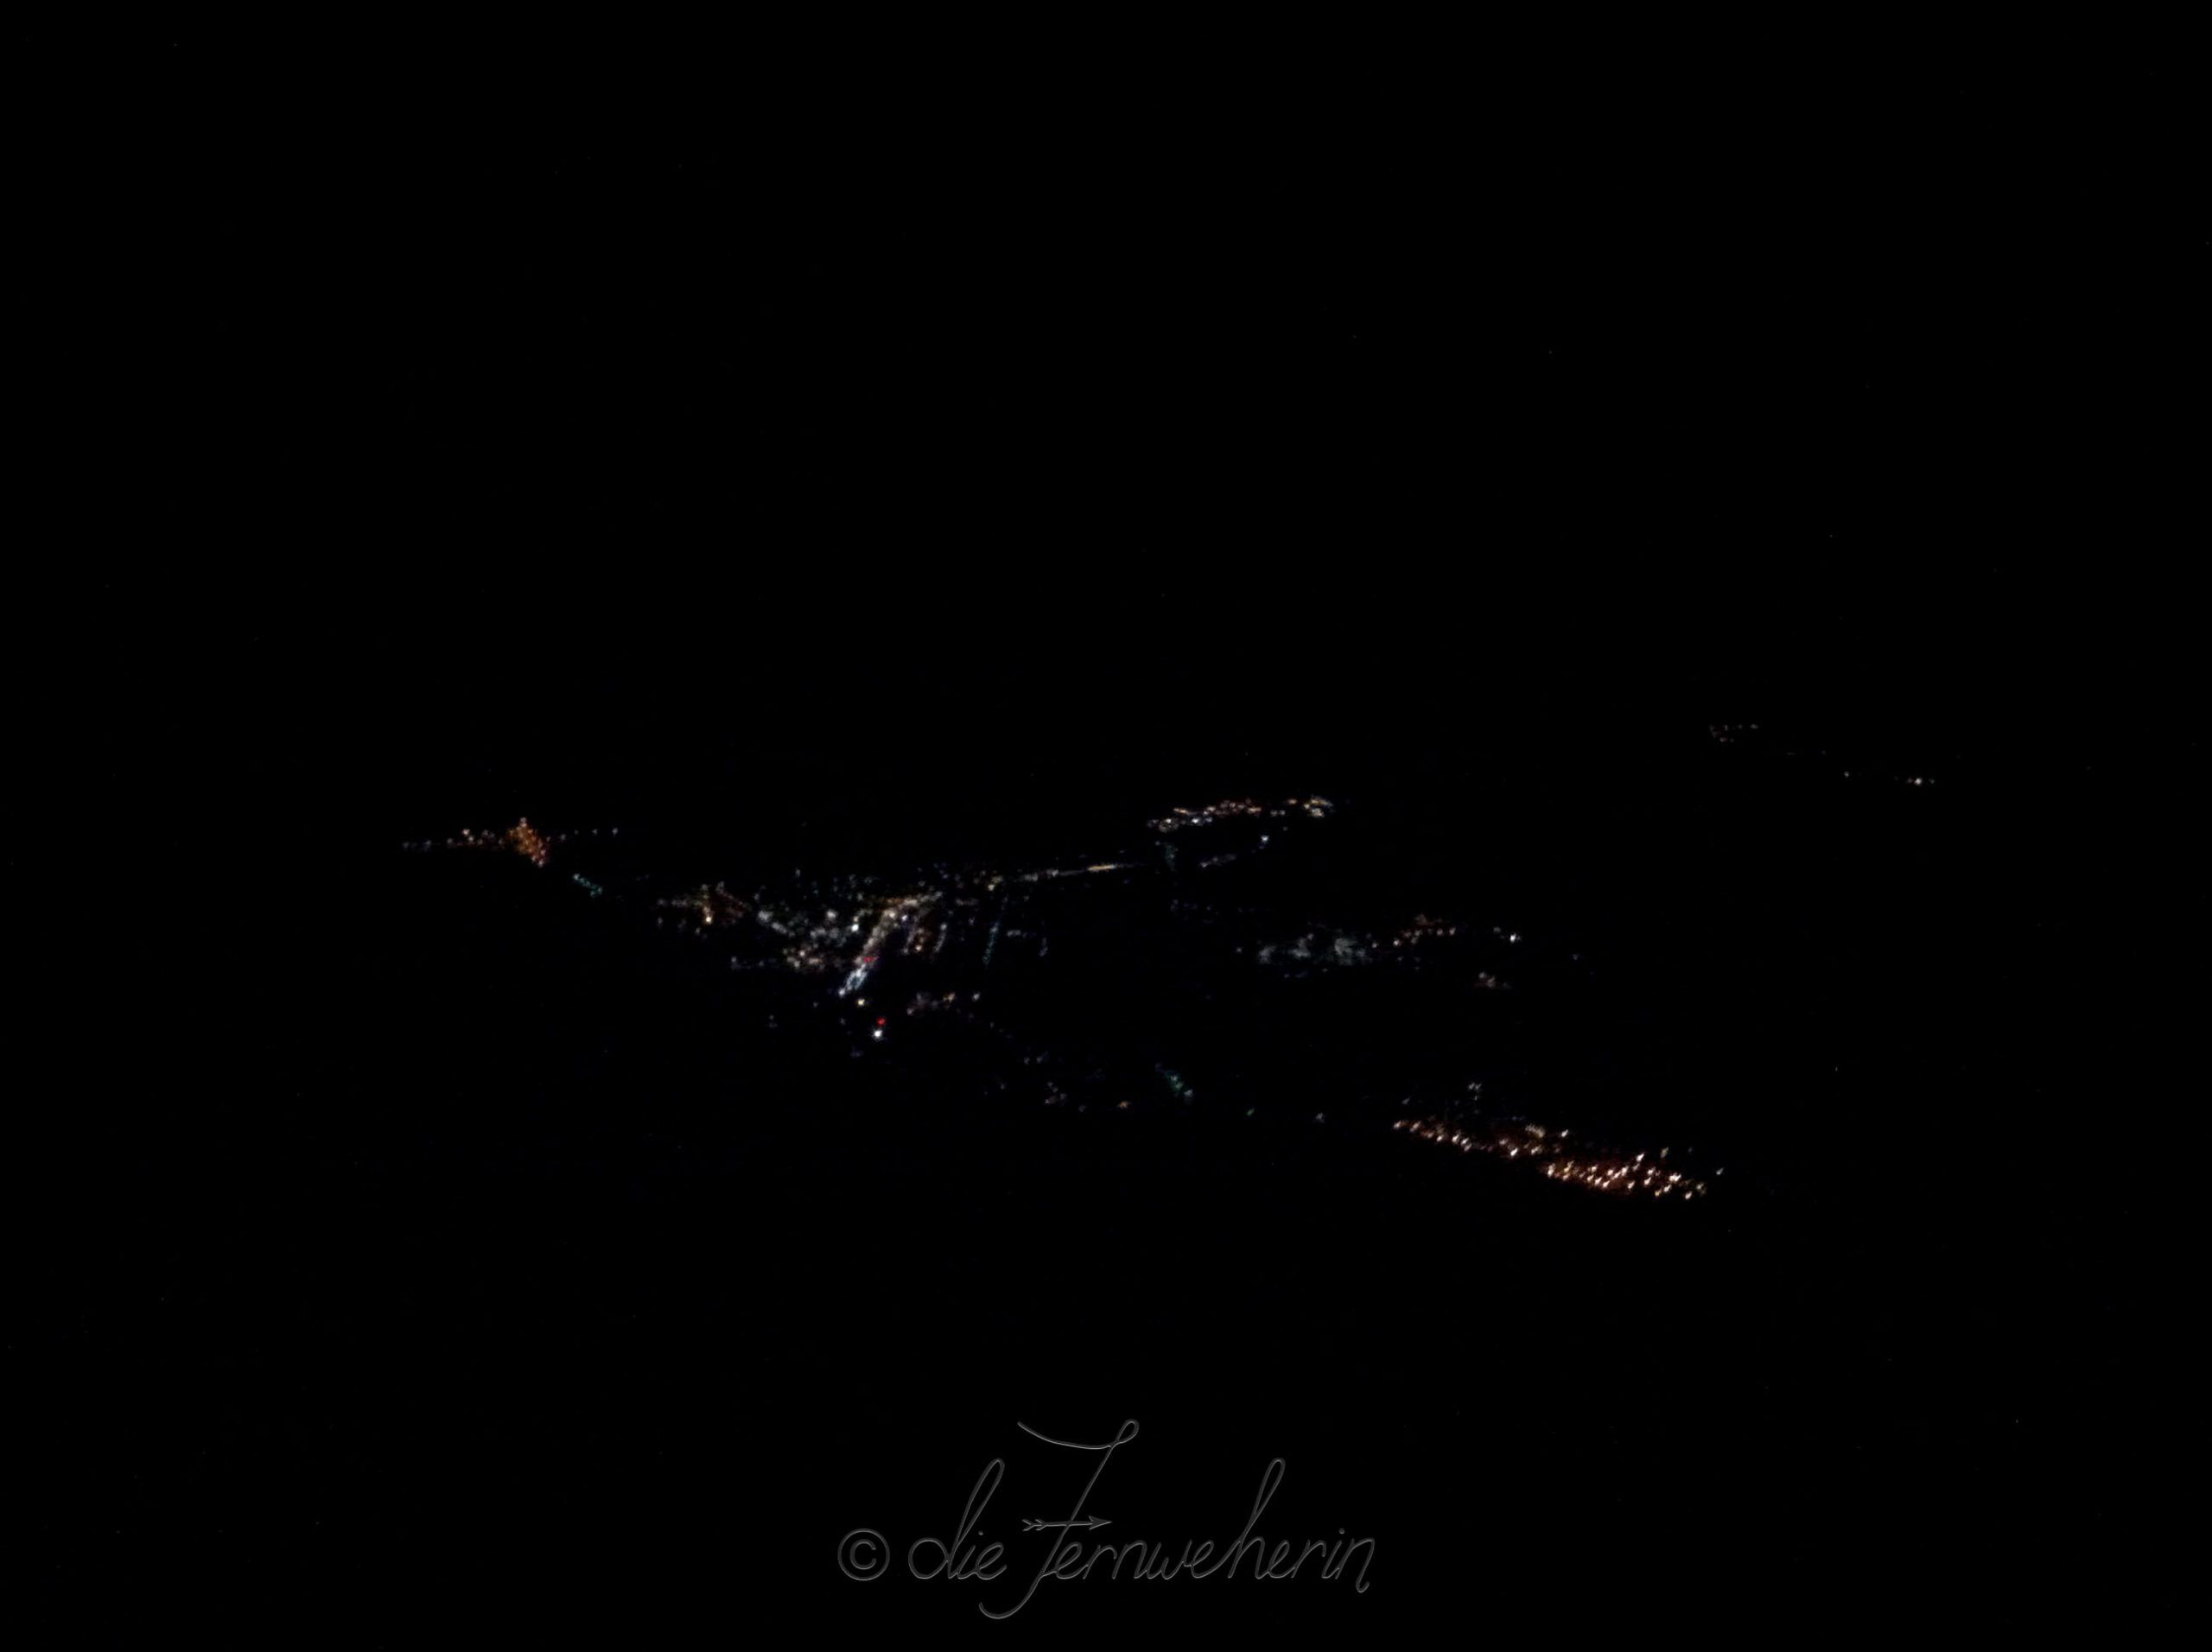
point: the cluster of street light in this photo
(1584, 1165)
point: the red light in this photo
(879, 1021)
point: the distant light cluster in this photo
(1244, 808)
(1586, 1165)
(895, 968)
(710, 905)
(1322, 949)
(1048, 874)
(534, 846)
(1749, 733)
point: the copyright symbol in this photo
(863, 1554)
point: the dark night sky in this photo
(1868, 408)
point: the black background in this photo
(425, 436)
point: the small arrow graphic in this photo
(1091, 1524)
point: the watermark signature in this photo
(865, 1554)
